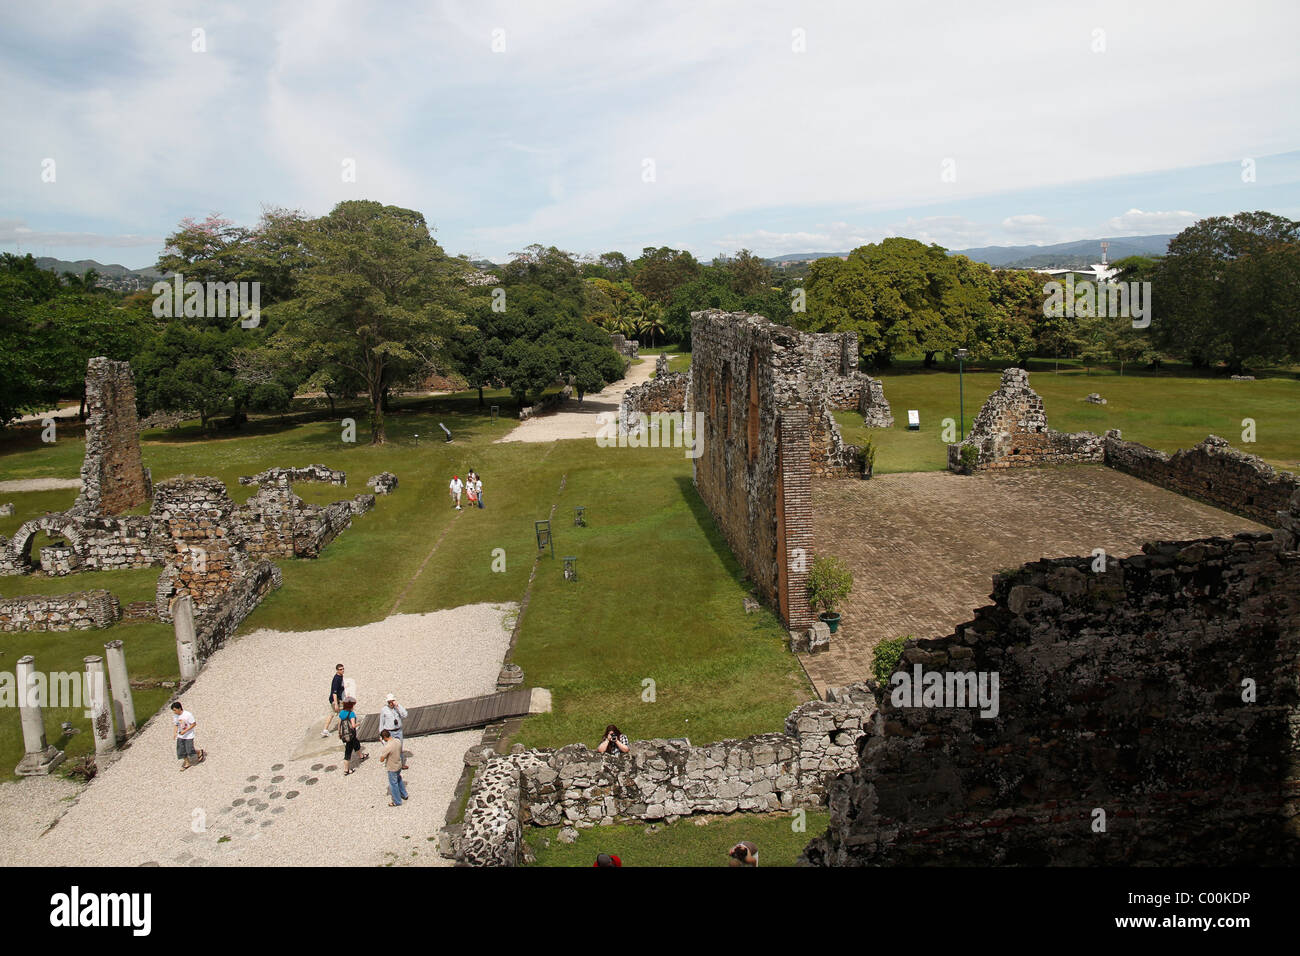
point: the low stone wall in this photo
(873, 405)
(1146, 714)
(80, 611)
(661, 365)
(317, 526)
(384, 483)
(661, 779)
(1011, 431)
(95, 543)
(1212, 471)
(667, 393)
(319, 473)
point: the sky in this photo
(781, 127)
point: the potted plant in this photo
(829, 583)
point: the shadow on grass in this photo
(712, 533)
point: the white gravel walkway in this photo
(272, 791)
(572, 420)
(39, 484)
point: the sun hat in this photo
(389, 697)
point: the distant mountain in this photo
(1083, 252)
(112, 276)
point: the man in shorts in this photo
(456, 488)
(183, 725)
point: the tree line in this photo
(364, 301)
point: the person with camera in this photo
(614, 742)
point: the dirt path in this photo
(572, 420)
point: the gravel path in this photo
(272, 791)
(572, 420)
(39, 484)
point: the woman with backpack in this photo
(348, 734)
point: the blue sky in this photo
(781, 127)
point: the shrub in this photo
(970, 456)
(829, 583)
(886, 657)
(868, 456)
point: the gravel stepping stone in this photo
(317, 766)
(277, 779)
(278, 766)
(239, 802)
(291, 794)
(278, 810)
(277, 795)
(252, 778)
(302, 779)
(331, 767)
(311, 782)
(250, 789)
(267, 823)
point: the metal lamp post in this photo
(961, 356)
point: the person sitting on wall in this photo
(614, 742)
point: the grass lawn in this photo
(1167, 411)
(658, 596)
(678, 361)
(684, 843)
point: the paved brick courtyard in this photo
(924, 546)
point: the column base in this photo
(39, 763)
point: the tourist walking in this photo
(391, 755)
(478, 490)
(743, 853)
(615, 741)
(391, 716)
(457, 486)
(471, 492)
(183, 724)
(336, 697)
(348, 734)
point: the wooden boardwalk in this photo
(453, 715)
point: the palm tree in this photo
(651, 321)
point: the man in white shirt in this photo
(183, 725)
(456, 488)
(391, 716)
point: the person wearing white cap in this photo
(391, 716)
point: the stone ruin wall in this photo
(1011, 431)
(94, 544)
(667, 393)
(114, 479)
(1120, 690)
(1212, 471)
(79, 611)
(659, 780)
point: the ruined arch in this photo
(20, 546)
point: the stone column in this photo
(39, 756)
(183, 621)
(120, 686)
(101, 714)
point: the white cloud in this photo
(17, 231)
(1137, 222)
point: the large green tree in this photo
(377, 295)
(1228, 290)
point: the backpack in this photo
(347, 733)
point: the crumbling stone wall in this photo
(206, 545)
(59, 612)
(94, 544)
(766, 392)
(661, 365)
(1163, 691)
(318, 473)
(1011, 431)
(667, 393)
(660, 779)
(114, 479)
(279, 524)
(1212, 471)
(625, 346)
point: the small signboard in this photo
(913, 419)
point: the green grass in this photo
(683, 843)
(659, 595)
(1165, 411)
